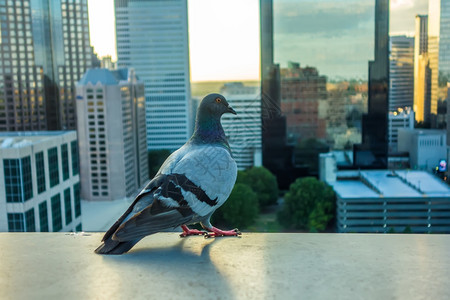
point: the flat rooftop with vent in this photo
(391, 201)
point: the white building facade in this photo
(426, 147)
(112, 134)
(152, 38)
(401, 118)
(244, 129)
(39, 182)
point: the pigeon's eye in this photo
(218, 100)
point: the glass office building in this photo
(373, 152)
(44, 50)
(152, 38)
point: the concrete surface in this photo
(255, 266)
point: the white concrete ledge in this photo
(256, 266)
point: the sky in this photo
(335, 36)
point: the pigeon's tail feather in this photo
(110, 246)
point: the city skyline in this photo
(335, 53)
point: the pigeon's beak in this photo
(231, 110)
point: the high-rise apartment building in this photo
(401, 72)
(422, 72)
(438, 50)
(373, 152)
(39, 181)
(244, 129)
(301, 91)
(44, 50)
(112, 134)
(152, 38)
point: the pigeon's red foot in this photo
(216, 232)
(188, 232)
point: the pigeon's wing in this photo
(145, 197)
(139, 201)
(168, 209)
(198, 183)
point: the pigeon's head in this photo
(215, 105)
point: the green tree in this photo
(241, 208)
(155, 160)
(309, 204)
(262, 182)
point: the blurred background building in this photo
(401, 72)
(45, 49)
(112, 134)
(152, 38)
(244, 130)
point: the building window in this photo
(74, 152)
(76, 199)
(43, 216)
(40, 172)
(29, 220)
(68, 206)
(56, 213)
(13, 187)
(15, 222)
(18, 181)
(65, 161)
(27, 180)
(79, 227)
(53, 166)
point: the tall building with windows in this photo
(244, 129)
(277, 155)
(44, 50)
(401, 72)
(152, 38)
(422, 94)
(39, 181)
(112, 134)
(438, 50)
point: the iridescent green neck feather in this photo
(208, 130)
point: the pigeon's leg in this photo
(216, 232)
(188, 232)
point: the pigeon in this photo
(191, 184)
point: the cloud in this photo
(402, 15)
(324, 18)
(337, 37)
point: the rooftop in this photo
(255, 266)
(18, 139)
(386, 183)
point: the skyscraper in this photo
(438, 50)
(111, 134)
(152, 38)
(276, 155)
(373, 152)
(44, 50)
(401, 72)
(422, 83)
